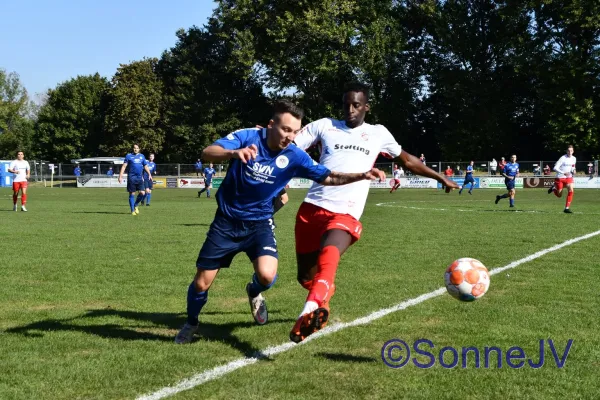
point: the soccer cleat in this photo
(136, 210)
(568, 211)
(460, 192)
(308, 324)
(186, 334)
(15, 207)
(258, 307)
(497, 199)
(512, 206)
(133, 213)
(147, 205)
(23, 208)
(551, 189)
(199, 194)
(470, 192)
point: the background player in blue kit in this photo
(135, 182)
(208, 173)
(468, 179)
(510, 173)
(262, 163)
(148, 183)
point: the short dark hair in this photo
(357, 87)
(287, 107)
(20, 151)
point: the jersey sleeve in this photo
(28, 167)
(12, 165)
(235, 140)
(126, 160)
(310, 134)
(310, 169)
(389, 147)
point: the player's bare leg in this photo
(196, 299)
(319, 278)
(265, 276)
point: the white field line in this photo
(218, 372)
(394, 205)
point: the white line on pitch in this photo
(394, 205)
(217, 372)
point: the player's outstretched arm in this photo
(216, 153)
(148, 172)
(341, 178)
(415, 165)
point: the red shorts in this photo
(559, 182)
(19, 185)
(396, 181)
(313, 221)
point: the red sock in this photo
(23, 199)
(307, 285)
(323, 280)
(569, 199)
(15, 197)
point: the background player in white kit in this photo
(22, 172)
(327, 221)
(565, 169)
(397, 176)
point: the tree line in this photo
(454, 79)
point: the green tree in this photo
(70, 124)
(16, 113)
(134, 109)
(208, 92)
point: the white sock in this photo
(309, 307)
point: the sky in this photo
(49, 42)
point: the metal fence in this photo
(64, 174)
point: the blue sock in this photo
(207, 192)
(195, 302)
(504, 196)
(131, 201)
(140, 197)
(257, 288)
(470, 190)
(512, 202)
(148, 196)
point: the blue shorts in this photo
(148, 184)
(469, 179)
(207, 183)
(135, 184)
(228, 237)
(510, 184)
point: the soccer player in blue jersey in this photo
(510, 174)
(137, 163)
(208, 173)
(148, 183)
(262, 162)
(468, 179)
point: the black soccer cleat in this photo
(497, 199)
(568, 211)
(551, 189)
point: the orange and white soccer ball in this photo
(467, 279)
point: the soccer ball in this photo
(467, 279)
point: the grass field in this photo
(92, 297)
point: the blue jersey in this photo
(152, 167)
(135, 164)
(198, 166)
(469, 171)
(248, 189)
(511, 169)
(208, 173)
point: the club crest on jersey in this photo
(364, 136)
(282, 162)
(351, 147)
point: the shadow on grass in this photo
(341, 357)
(131, 331)
(193, 224)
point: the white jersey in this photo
(397, 174)
(22, 166)
(565, 166)
(345, 150)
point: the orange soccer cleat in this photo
(308, 324)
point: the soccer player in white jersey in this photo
(565, 169)
(22, 172)
(397, 175)
(327, 222)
